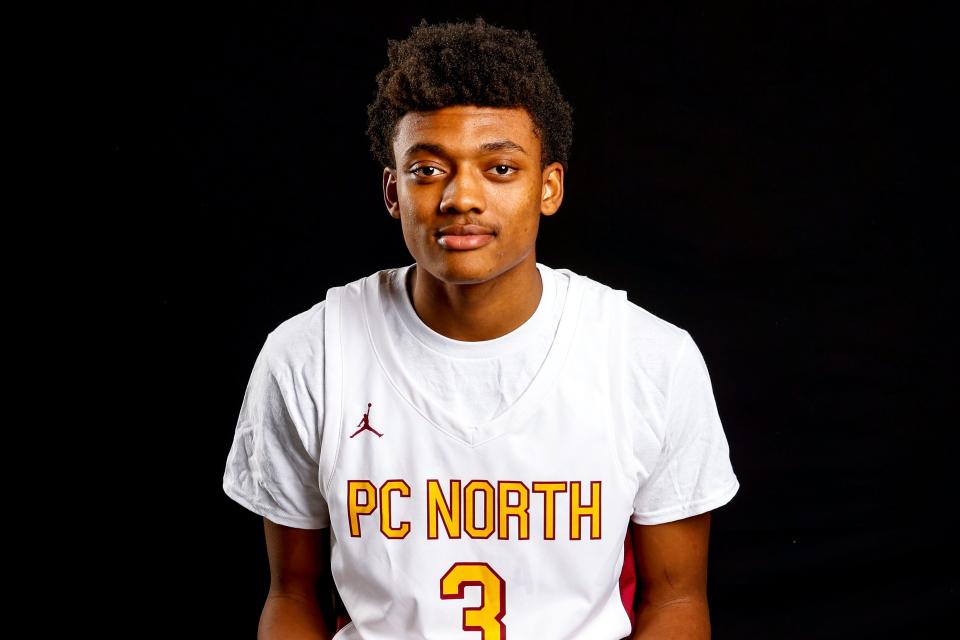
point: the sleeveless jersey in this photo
(509, 528)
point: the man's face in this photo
(469, 165)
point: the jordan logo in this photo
(364, 423)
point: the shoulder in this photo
(648, 344)
(297, 342)
(653, 346)
(650, 332)
(640, 327)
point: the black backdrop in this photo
(759, 175)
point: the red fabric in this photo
(343, 619)
(628, 576)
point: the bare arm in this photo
(672, 576)
(299, 575)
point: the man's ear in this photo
(552, 191)
(390, 198)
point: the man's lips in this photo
(464, 236)
(465, 230)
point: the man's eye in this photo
(504, 166)
(427, 175)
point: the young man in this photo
(475, 432)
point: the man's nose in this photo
(464, 193)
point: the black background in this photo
(761, 175)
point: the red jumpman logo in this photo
(365, 422)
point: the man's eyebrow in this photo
(502, 145)
(486, 147)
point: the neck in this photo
(478, 311)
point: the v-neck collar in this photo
(375, 306)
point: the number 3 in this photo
(487, 618)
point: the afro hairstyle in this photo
(465, 63)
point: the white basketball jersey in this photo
(513, 528)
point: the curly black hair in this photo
(465, 63)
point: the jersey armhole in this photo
(332, 391)
(622, 440)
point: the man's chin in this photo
(460, 267)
